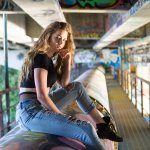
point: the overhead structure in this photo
(135, 18)
(42, 11)
(140, 42)
(16, 32)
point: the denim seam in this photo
(24, 124)
(90, 136)
(83, 130)
(91, 107)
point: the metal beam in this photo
(135, 18)
(12, 12)
(43, 12)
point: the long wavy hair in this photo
(42, 46)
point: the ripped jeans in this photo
(32, 116)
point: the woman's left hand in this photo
(65, 69)
(65, 54)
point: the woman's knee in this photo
(78, 85)
(74, 85)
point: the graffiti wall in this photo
(94, 25)
(87, 25)
(98, 4)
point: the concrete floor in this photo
(130, 124)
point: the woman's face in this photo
(58, 40)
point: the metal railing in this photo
(138, 90)
(5, 126)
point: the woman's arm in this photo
(40, 77)
(66, 71)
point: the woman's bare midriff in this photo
(23, 90)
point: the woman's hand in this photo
(65, 54)
(66, 68)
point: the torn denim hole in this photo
(69, 87)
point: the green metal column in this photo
(5, 44)
(1, 117)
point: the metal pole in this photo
(142, 98)
(149, 108)
(119, 78)
(131, 85)
(5, 44)
(124, 53)
(127, 82)
(1, 117)
(135, 93)
(122, 62)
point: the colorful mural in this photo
(115, 59)
(120, 4)
(86, 26)
(85, 56)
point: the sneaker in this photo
(105, 132)
(106, 119)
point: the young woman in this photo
(39, 110)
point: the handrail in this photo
(134, 92)
(11, 89)
(148, 82)
(8, 124)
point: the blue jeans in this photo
(32, 116)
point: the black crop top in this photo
(41, 61)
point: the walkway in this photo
(130, 123)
